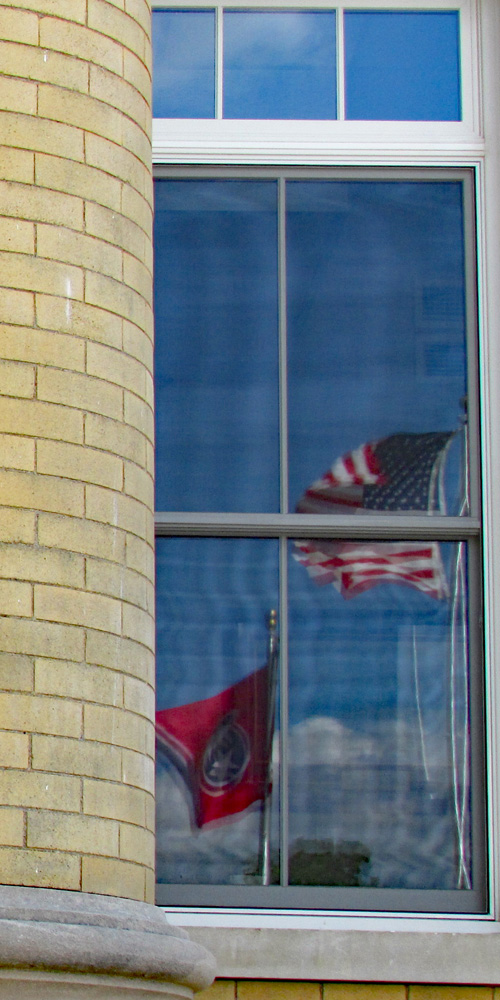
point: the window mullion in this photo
(475, 624)
(340, 65)
(472, 412)
(282, 322)
(283, 722)
(219, 63)
(412, 526)
(283, 562)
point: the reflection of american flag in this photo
(397, 473)
(353, 567)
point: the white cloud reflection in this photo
(323, 740)
(343, 786)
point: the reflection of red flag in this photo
(220, 746)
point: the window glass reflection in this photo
(183, 64)
(376, 355)
(216, 310)
(279, 64)
(379, 781)
(402, 65)
(216, 697)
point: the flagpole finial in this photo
(272, 620)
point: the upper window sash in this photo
(218, 139)
(278, 516)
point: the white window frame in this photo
(457, 949)
(338, 142)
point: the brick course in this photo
(244, 989)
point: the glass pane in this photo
(183, 64)
(379, 738)
(377, 356)
(402, 66)
(216, 690)
(279, 64)
(216, 303)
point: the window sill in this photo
(348, 948)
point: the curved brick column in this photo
(76, 427)
(76, 430)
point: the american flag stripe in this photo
(358, 468)
(341, 485)
(353, 567)
(321, 501)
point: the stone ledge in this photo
(398, 951)
(61, 931)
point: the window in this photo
(318, 471)
(282, 64)
(293, 84)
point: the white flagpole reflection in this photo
(265, 825)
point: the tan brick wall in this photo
(244, 989)
(76, 427)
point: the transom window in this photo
(307, 64)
